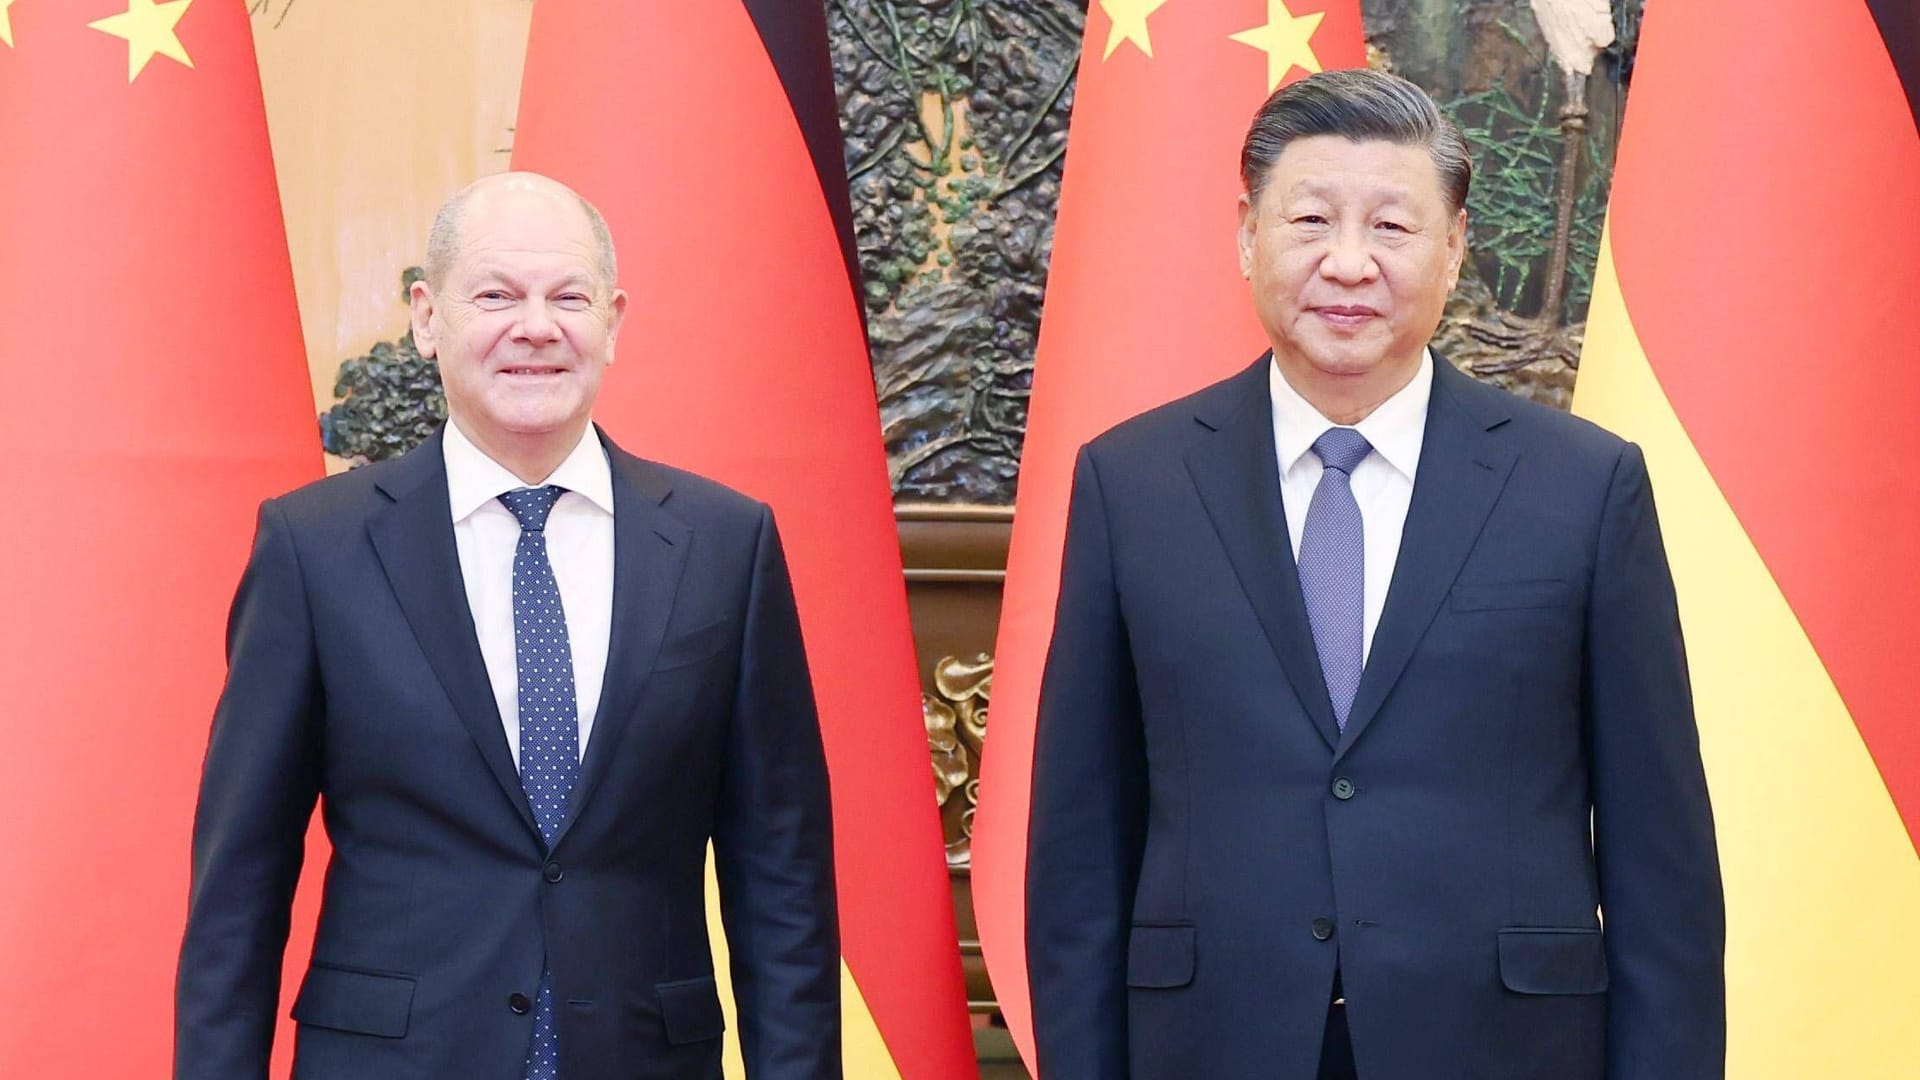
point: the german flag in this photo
(708, 134)
(1144, 303)
(1754, 328)
(156, 390)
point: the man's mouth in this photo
(533, 371)
(1346, 315)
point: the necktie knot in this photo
(532, 505)
(1342, 448)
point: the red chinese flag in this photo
(708, 135)
(1752, 328)
(156, 391)
(1144, 303)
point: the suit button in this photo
(1322, 928)
(1343, 789)
(553, 873)
(519, 1003)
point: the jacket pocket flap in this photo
(691, 1010)
(357, 1001)
(1160, 956)
(1511, 595)
(1547, 961)
(700, 643)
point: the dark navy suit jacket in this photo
(355, 677)
(1520, 765)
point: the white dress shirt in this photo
(579, 545)
(1382, 482)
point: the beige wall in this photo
(378, 110)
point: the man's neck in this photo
(531, 459)
(1348, 399)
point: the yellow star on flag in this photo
(1287, 40)
(6, 24)
(1129, 23)
(148, 28)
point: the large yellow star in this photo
(6, 24)
(148, 28)
(1287, 40)
(1129, 23)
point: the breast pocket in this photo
(1511, 595)
(697, 645)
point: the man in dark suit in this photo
(1365, 743)
(528, 677)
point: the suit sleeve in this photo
(773, 843)
(1088, 824)
(1659, 868)
(257, 792)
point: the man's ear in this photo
(420, 312)
(1249, 222)
(616, 315)
(1456, 247)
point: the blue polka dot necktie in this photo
(549, 716)
(1333, 567)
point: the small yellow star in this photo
(148, 28)
(1129, 23)
(6, 24)
(1287, 40)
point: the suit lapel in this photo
(1238, 477)
(649, 557)
(413, 536)
(1463, 467)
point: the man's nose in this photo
(536, 322)
(1349, 258)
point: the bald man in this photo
(528, 677)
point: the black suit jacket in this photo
(355, 677)
(1208, 848)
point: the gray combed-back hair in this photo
(1361, 105)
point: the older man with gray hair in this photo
(1365, 745)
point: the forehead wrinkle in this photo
(1376, 190)
(483, 267)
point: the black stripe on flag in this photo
(1900, 28)
(794, 33)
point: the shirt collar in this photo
(1395, 429)
(474, 479)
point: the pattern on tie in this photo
(1333, 567)
(549, 717)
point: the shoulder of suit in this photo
(1536, 422)
(1180, 421)
(685, 493)
(334, 497)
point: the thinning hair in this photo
(1360, 105)
(443, 239)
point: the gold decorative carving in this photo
(956, 716)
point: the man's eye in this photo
(1309, 219)
(1391, 226)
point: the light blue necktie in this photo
(549, 717)
(1333, 567)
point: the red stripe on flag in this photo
(1766, 227)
